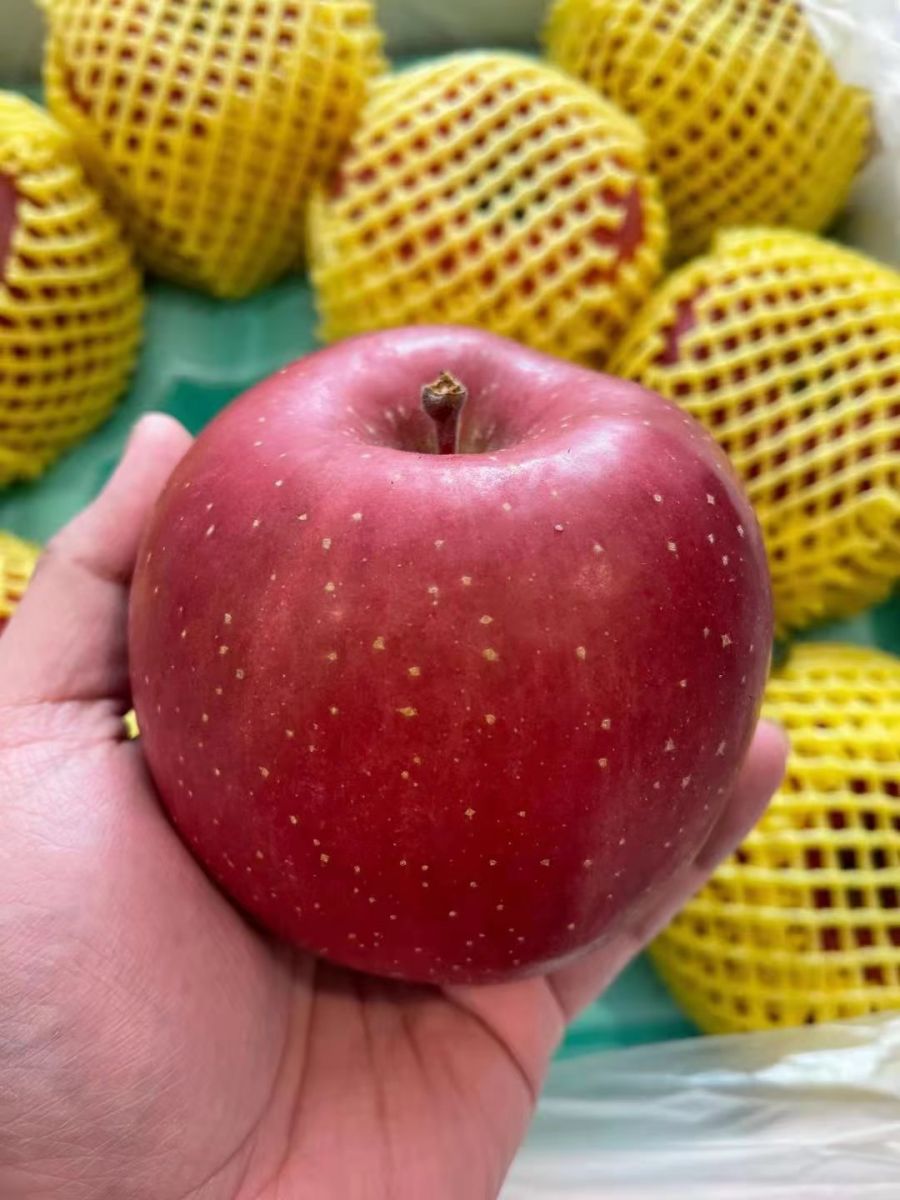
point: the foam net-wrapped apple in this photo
(802, 924)
(489, 190)
(208, 123)
(457, 712)
(17, 562)
(747, 120)
(70, 295)
(788, 349)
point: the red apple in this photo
(448, 716)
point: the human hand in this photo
(153, 1046)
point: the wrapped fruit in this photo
(70, 295)
(747, 120)
(208, 123)
(802, 924)
(489, 190)
(788, 349)
(17, 562)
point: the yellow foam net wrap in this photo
(17, 562)
(803, 923)
(787, 348)
(70, 295)
(489, 190)
(747, 121)
(207, 122)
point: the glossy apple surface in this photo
(448, 717)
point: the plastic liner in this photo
(805, 1114)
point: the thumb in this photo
(68, 639)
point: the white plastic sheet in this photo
(862, 37)
(805, 1114)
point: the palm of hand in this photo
(152, 1045)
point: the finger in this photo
(67, 640)
(578, 985)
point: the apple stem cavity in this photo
(443, 401)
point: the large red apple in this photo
(448, 716)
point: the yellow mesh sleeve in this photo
(803, 923)
(207, 123)
(747, 121)
(787, 348)
(17, 562)
(70, 297)
(489, 190)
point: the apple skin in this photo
(448, 717)
(9, 201)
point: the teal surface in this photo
(198, 355)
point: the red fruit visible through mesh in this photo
(685, 321)
(629, 237)
(9, 199)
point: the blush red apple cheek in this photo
(9, 201)
(424, 740)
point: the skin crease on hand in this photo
(152, 1045)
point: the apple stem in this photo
(443, 401)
